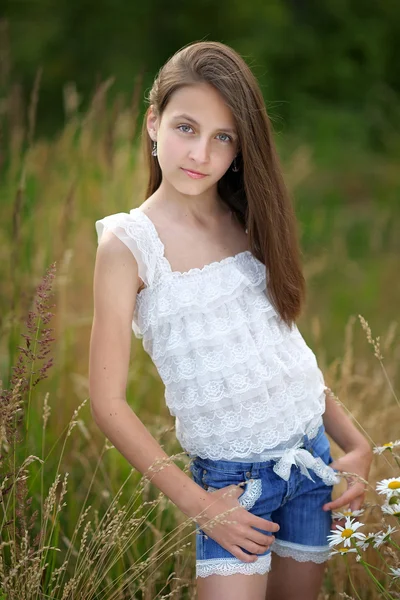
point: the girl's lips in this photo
(193, 174)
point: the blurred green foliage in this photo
(306, 54)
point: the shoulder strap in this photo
(135, 233)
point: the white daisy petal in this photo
(342, 514)
(388, 446)
(391, 509)
(383, 536)
(389, 487)
(345, 535)
(342, 551)
(395, 572)
(367, 541)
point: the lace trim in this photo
(301, 553)
(155, 246)
(197, 363)
(275, 404)
(172, 295)
(268, 377)
(239, 318)
(311, 430)
(135, 235)
(262, 436)
(245, 416)
(230, 566)
(251, 494)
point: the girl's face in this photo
(196, 132)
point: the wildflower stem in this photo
(394, 543)
(372, 576)
(396, 459)
(389, 382)
(32, 372)
(350, 578)
(377, 583)
(42, 477)
(382, 557)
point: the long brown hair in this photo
(256, 193)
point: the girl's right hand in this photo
(241, 534)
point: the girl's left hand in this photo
(356, 461)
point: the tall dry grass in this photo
(77, 520)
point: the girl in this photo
(207, 273)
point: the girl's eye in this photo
(226, 140)
(187, 126)
(229, 139)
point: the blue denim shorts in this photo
(296, 505)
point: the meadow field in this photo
(76, 520)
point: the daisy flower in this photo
(391, 509)
(390, 487)
(367, 541)
(342, 551)
(341, 514)
(395, 572)
(383, 536)
(387, 446)
(345, 535)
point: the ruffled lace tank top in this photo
(238, 380)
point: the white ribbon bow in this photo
(304, 460)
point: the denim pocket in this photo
(216, 478)
(213, 479)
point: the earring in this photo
(235, 168)
(154, 151)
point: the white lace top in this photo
(237, 379)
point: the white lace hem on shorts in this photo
(231, 566)
(300, 552)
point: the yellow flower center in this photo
(347, 513)
(388, 445)
(343, 550)
(394, 485)
(346, 533)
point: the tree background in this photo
(307, 55)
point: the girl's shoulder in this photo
(132, 229)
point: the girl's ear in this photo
(152, 123)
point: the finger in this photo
(345, 498)
(357, 503)
(266, 542)
(263, 524)
(256, 548)
(260, 537)
(238, 552)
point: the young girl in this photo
(207, 273)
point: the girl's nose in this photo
(200, 151)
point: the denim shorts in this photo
(295, 504)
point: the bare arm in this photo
(341, 429)
(358, 457)
(116, 282)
